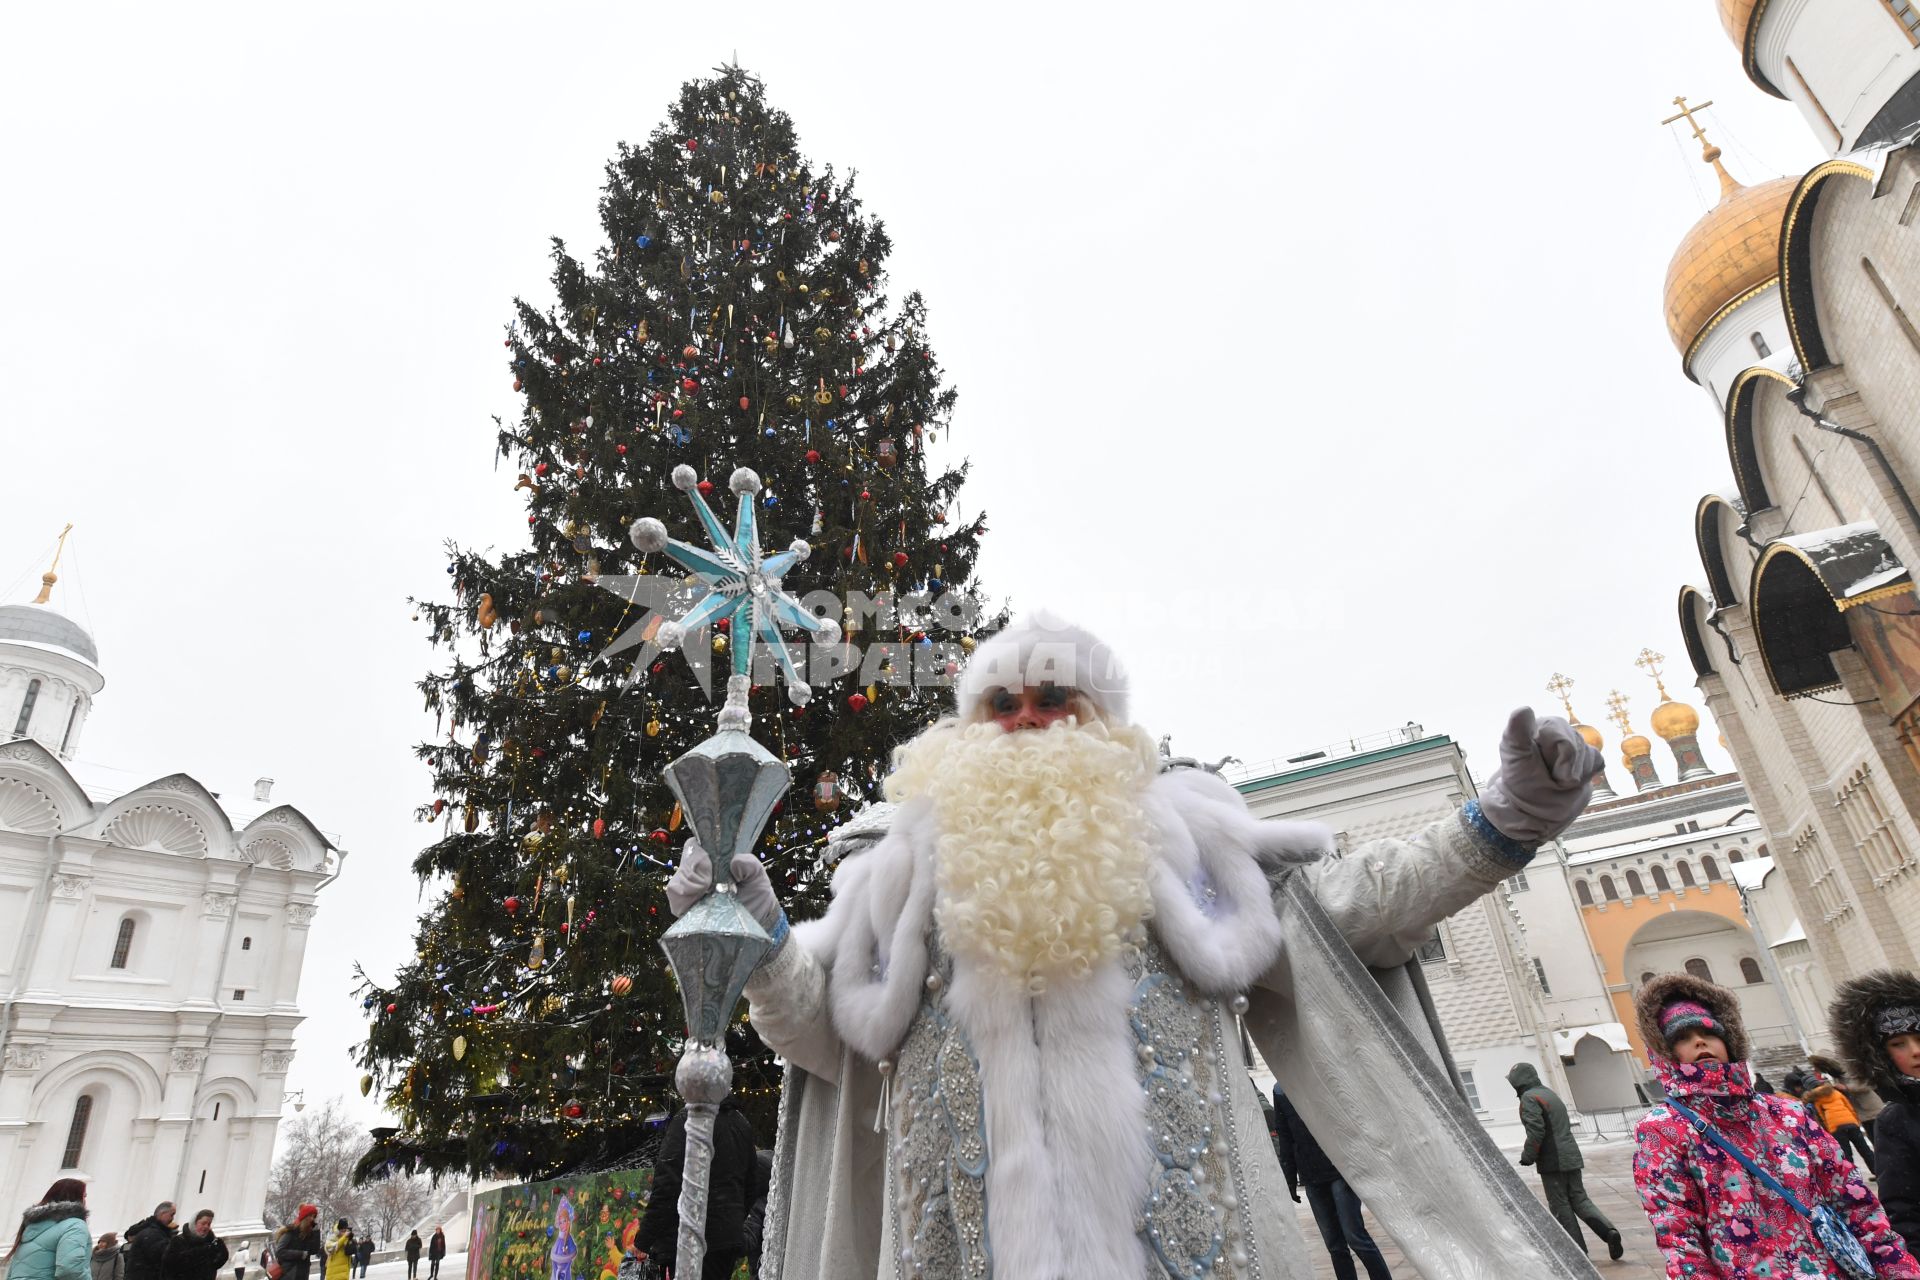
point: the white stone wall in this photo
(1849, 57)
(183, 1048)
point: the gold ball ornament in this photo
(967, 643)
(653, 728)
(532, 841)
(366, 1085)
(551, 1005)
(795, 402)
(719, 644)
(822, 333)
(718, 197)
(622, 984)
(459, 1048)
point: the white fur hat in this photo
(1042, 648)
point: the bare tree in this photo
(317, 1155)
(392, 1203)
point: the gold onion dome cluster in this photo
(1589, 735)
(1733, 250)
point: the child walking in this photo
(1712, 1214)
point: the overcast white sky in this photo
(1313, 352)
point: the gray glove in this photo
(694, 877)
(1544, 781)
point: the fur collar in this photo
(54, 1212)
(1212, 903)
(1668, 987)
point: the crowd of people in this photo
(54, 1243)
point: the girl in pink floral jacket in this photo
(1710, 1217)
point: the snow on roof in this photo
(1653, 843)
(1751, 874)
(1851, 559)
(1612, 1034)
(1794, 933)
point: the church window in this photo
(1469, 1088)
(1760, 347)
(1607, 890)
(26, 708)
(1709, 868)
(1913, 206)
(1434, 949)
(1750, 971)
(77, 1131)
(203, 1183)
(1660, 881)
(123, 944)
(1907, 16)
(246, 944)
(216, 1111)
(1517, 882)
(1635, 889)
(1582, 891)
(73, 718)
(1540, 972)
(1698, 968)
(1900, 317)
(1686, 872)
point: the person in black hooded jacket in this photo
(196, 1253)
(147, 1242)
(735, 1158)
(1875, 1019)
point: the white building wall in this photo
(1848, 58)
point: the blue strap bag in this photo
(1829, 1227)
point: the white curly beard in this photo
(1042, 850)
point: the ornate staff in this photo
(727, 787)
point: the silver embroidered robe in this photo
(938, 1125)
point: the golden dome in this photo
(1674, 720)
(1731, 252)
(1633, 747)
(1739, 17)
(1589, 735)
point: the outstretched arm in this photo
(1387, 895)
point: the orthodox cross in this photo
(1557, 685)
(1708, 152)
(1649, 662)
(1617, 710)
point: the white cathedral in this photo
(150, 949)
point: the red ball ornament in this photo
(659, 668)
(858, 702)
(679, 413)
(575, 1111)
(900, 559)
(724, 625)
(564, 926)
(865, 496)
(439, 807)
(693, 144)
(599, 828)
(689, 351)
(658, 835)
(393, 1008)
(688, 384)
(705, 486)
(516, 384)
(620, 449)
(813, 455)
(512, 905)
(539, 468)
(745, 403)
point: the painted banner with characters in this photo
(567, 1229)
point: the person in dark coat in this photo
(196, 1253)
(1550, 1145)
(734, 1162)
(1875, 1020)
(297, 1245)
(436, 1250)
(363, 1255)
(1336, 1209)
(413, 1254)
(147, 1242)
(755, 1227)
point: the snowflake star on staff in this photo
(741, 583)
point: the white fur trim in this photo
(684, 478)
(1044, 648)
(877, 948)
(744, 480)
(1066, 1121)
(648, 534)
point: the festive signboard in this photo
(567, 1229)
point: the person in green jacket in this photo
(53, 1242)
(1550, 1145)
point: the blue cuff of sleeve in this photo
(781, 931)
(1506, 849)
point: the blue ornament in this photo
(833, 424)
(769, 433)
(584, 636)
(771, 499)
(643, 241)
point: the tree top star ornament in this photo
(741, 583)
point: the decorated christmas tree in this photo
(736, 317)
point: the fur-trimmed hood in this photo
(54, 1212)
(1668, 987)
(1856, 1005)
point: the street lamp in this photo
(298, 1097)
